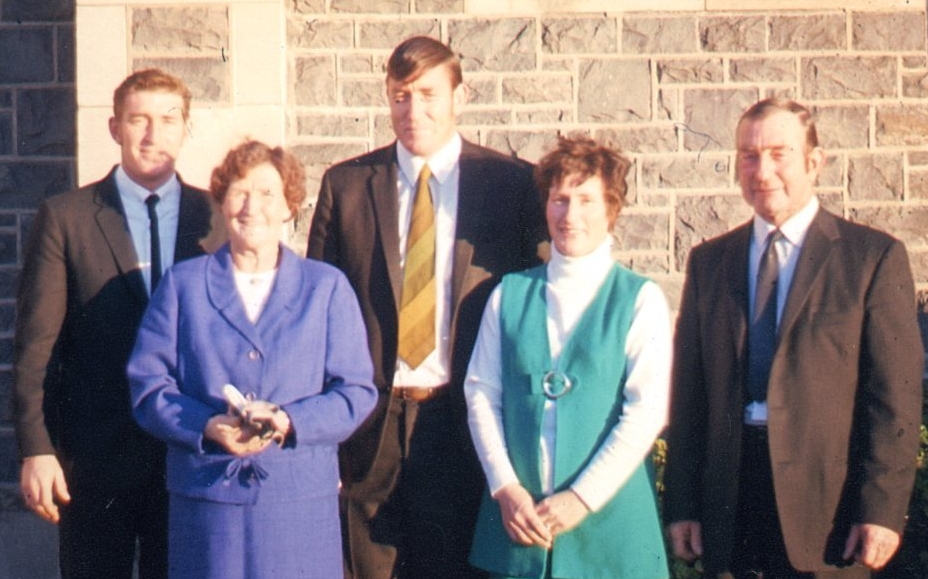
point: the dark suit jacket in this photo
(81, 299)
(500, 228)
(844, 396)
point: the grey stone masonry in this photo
(37, 160)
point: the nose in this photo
(765, 167)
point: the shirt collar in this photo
(794, 229)
(442, 162)
(129, 188)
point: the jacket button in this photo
(254, 355)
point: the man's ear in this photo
(461, 95)
(114, 130)
(815, 162)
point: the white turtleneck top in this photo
(572, 284)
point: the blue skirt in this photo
(295, 539)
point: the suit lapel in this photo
(815, 251)
(472, 195)
(736, 268)
(110, 218)
(220, 287)
(381, 187)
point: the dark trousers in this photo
(413, 516)
(759, 550)
(100, 527)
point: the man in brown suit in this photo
(411, 479)
(797, 378)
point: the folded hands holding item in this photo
(249, 427)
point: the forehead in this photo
(161, 102)
(263, 172)
(781, 129)
(434, 78)
(577, 184)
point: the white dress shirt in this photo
(572, 285)
(788, 247)
(435, 370)
(133, 198)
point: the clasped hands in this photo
(529, 523)
(250, 429)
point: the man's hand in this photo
(522, 523)
(228, 432)
(686, 537)
(43, 486)
(871, 545)
(562, 511)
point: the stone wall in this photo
(37, 155)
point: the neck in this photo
(255, 260)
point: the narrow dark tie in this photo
(152, 202)
(762, 336)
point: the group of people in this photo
(460, 381)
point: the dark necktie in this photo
(762, 336)
(152, 202)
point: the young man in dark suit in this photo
(93, 257)
(797, 378)
(423, 228)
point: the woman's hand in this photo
(522, 523)
(231, 434)
(268, 420)
(562, 511)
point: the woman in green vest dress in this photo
(567, 390)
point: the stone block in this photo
(27, 55)
(848, 77)
(368, 92)
(37, 11)
(875, 177)
(326, 154)
(545, 117)
(706, 171)
(359, 63)
(370, 6)
(25, 185)
(387, 34)
(207, 78)
(918, 158)
(9, 220)
(319, 33)
(641, 139)
(66, 59)
(690, 70)
(832, 174)
(669, 104)
(808, 32)
(9, 281)
(482, 90)
(645, 264)
(918, 186)
(904, 30)
(711, 116)
(6, 99)
(332, 125)
(551, 63)
(702, 217)
(763, 70)
(6, 355)
(918, 261)
(906, 222)
(313, 80)
(642, 231)
(538, 90)
(614, 90)
(919, 62)
(842, 127)
(180, 30)
(8, 311)
(315, 7)
(8, 256)
(579, 35)
(478, 117)
(732, 33)
(494, 45)
(383, 130)
(915, 85)
(659, 35)
(440, 6)
(45, 122)
(528, 145)
(905, 125)
(6, 134)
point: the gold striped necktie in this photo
(417, 309)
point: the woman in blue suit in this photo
(254, 492)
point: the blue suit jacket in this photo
(306, 353)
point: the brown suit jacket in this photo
(80, 302)
(844, 396)
(500, 228)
